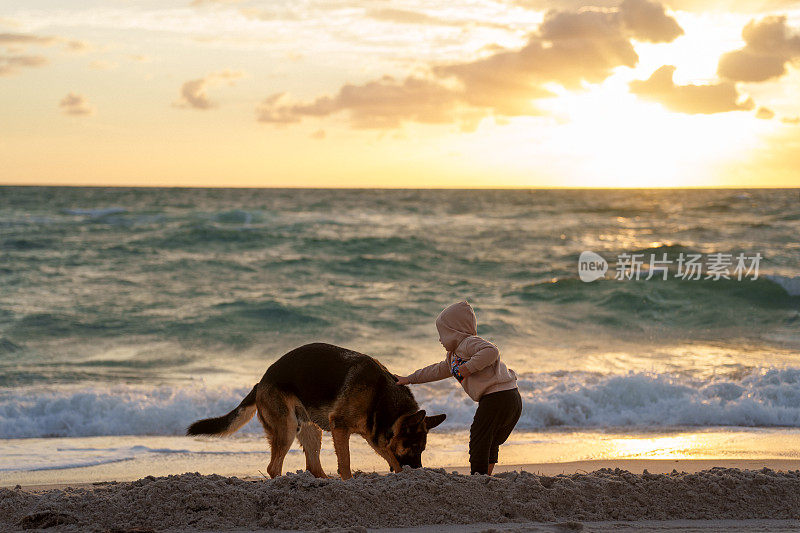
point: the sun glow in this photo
(662, 447)
(604, 136)
(615, 140)
(607, 137)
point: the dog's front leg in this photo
(394, 464)
(341, 445)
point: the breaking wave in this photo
(768, 397)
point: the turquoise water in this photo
(136, 311)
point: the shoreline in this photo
(79, 460)
(634, 466)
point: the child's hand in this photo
(402, 380)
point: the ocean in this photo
(128, 313)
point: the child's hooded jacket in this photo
(458, 332)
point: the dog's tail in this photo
(227, 424)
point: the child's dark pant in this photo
(494, 420)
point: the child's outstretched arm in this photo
(434, 372)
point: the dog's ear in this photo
(416, 418)
(433, 421)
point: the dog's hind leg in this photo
(277, 415)
(280, 442)
(310, 438)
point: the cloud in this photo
(383, 103)
(741, 6)
(568, 48)
(274, 13)
(639, 19)
(17, 41)
(319, 135)
(791, 120)
(102, 64)
(642, 20)
(406, 16)
(12, 64)
(263, 11)
(12, 61)
(75, 104)
(10, 23)
(649, 21)
(690, 99)
(194, 92)
(738, 6)
(205, 2)
(14, 41)
(403, 16)
(77, 46)
(765, 113)
(770, 45)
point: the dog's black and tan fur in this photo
(324, 387)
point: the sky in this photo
(377, 93)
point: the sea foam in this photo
(791, 284)
(767, 397)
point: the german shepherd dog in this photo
(324, 387)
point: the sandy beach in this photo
(641, 495)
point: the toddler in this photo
(476, 364)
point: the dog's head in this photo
(410, 436)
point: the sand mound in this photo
(411, 498)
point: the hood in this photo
(455, 324)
